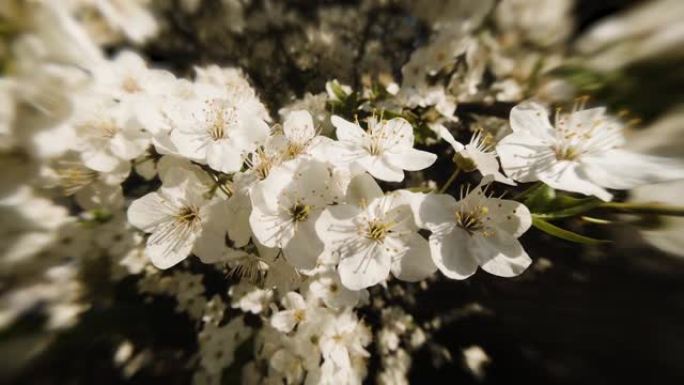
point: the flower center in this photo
(74, 178)
(221, 118)
(294, 149)
(300, 212)
(375, 148)
(565, 152)
(471, 220)
(188, 215)
(261, 162)
(108, 129)
(377, 230)
(130, 85)
(299, 315)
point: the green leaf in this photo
(337, 90)
(539, 198)
(564, 206)
(546, 203)
(567, 235)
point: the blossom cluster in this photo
(305, 214)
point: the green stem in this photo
(527, 191)
(449, 181)
(644, 208)
(597, 221)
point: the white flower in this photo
(7, 112)
(300, 139)
(234, 84)
(249, 298)
(219, 343)
(385, 150)
(216, 131)
(327, 287)
(176, 215)
(129, 16)
(106, 134)
(476, 360)
(667, 234)
(581, 153)
(476, 231)
(294, 313)
(373, 234)
(61, 35)
(343, 339)
(475, 155)
(90, 188)
(289, 365)
(239, 208)
(285, 207)
(128, 79)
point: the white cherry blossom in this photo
(341, 342)
(476, 155)
(581, 153)
(176, 216)
(373, 234)
(295, 312)
(106, 133)
(327, 287)
(475, 231)
(216, 131)
(385, 150)
(233, 82)
(300, 139)
(285, 207)
(130, 17)
(128, 79)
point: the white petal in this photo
(273, 229)
(100, 160)
(416, 264)
(298, 126)
(165, 252)
(450, 253)
(365, 264)
(531, 118)
(444, 133)
(148, 211)
(411, 159)
(293, 300)
(252, 131)
(303, 250)
(312, 182)
(510, 216)
(620, 169)
(487, 164)
(211, 243)
(128, 146)
(334, 226)
(435, 210)
(568, 176)
(265, 194)
(523, 155)
(380, 169)
(221, 156)
(398, 134)
(500, 255)
(191, 144)
(284, 321)
(579, 121)
(362, 189)
(347, 131)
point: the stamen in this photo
(300, 212)
(75, 177)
